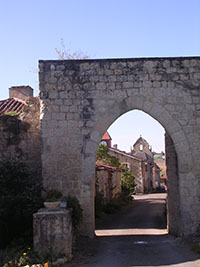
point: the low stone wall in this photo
(52, 232)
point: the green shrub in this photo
(77, 211)
(20, 197)
(128, 183)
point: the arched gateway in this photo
(82, 98)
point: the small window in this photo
(141, 147)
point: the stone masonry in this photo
(52, 232)
(82, 98)
(20, 137)
(174, 222)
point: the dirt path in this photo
(135, 237)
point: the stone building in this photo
(20, 129)
(133, 163)
(139, 161)
(17, 99)
(142, 149)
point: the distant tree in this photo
(66, 53)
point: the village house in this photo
(142, 149)
(17, 99)
(20, 129)
(139, 161)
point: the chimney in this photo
(20, 92)
(115, 146)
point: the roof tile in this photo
(11, 104)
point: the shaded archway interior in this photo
(171, 203)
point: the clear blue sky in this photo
(31, 30)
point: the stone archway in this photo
(82, 98)
(163, 117)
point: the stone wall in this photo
(161, 164)
(173, 203)
(82, 98)
(156, 177)
(108, 182)
(20, 137)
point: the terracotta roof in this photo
(106, 136)
(11, 104)
(163, 176)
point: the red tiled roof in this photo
(106, 136)
(11, 104)
(163, 176)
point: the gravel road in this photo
(135, 237)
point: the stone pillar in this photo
(173, 201)
(52, 232)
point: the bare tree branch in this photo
(65, 53)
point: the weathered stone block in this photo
(58, 116)
(101, 86)
(127, 85)
(52, 232)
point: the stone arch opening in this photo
(173, 200)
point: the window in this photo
(141, 147)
